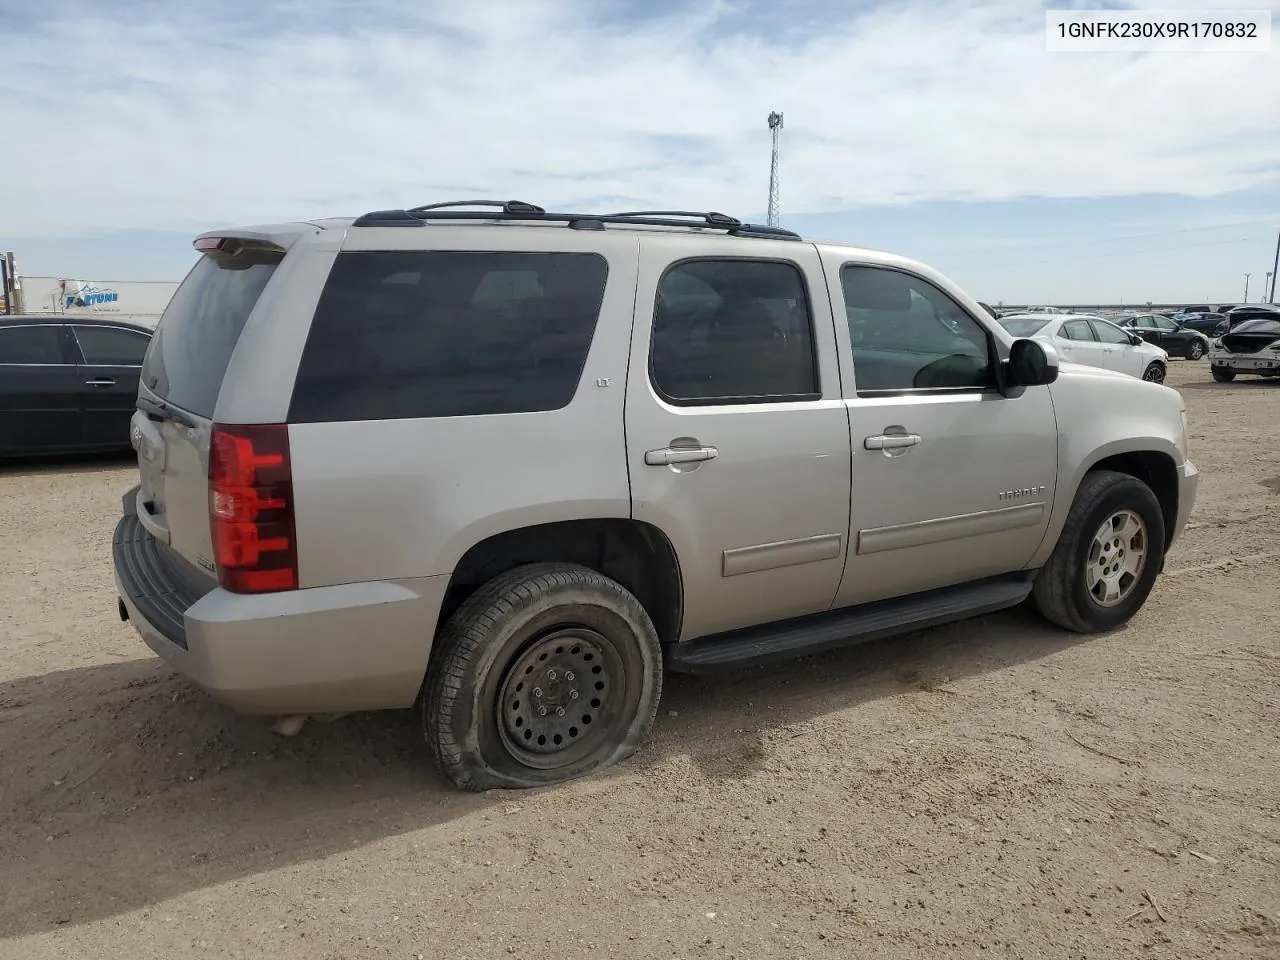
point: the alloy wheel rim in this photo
(1117, 558)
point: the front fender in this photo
(1100, 417)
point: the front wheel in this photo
(1196, 350)
(1222, 374)
(547, 673)
(1154, 372)
(1107, 557)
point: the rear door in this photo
(737, 438)
(182, 376)
(1078, 344)
(110, 361)
(1123, 355)
(39, 390)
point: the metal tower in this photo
(775, 125)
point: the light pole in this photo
(1275, 270)
(1246, 287)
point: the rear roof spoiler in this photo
(282, 235)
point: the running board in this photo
(803, 636)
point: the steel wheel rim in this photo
(1117, 557)
(561, 698)
(1197, 350)
(1154, 374)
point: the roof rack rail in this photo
(519, 211)
(506, 206)
(711, 218)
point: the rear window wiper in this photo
(159, 410)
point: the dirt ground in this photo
(992, 789)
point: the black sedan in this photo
(1175, 338)
(68, 384)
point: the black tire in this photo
(589, 630)
(1061, 591)
(1221, 375)
(1154, 372)
(1196, 350)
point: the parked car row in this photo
(68, 384)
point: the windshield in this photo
(1023, 326)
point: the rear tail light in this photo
(251, 508)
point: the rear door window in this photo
(1108, 333)
(25, 346)
(733, 331)
(199, 330)
(111, 346)
(415, 334)
(1077, 330)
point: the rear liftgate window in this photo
(406, 335)
(192, 346)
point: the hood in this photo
(1080, 371)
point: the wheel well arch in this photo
(637, 555)
(1158, 471)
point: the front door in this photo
(737, 438)
(112, 360)
(39, 390)
(952, 481)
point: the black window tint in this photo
(448, 334)
(108, 346)
(907, 334)
(199, 330)
(733, 331)
(30, 345)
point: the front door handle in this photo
(670, 455)
(100, 382)
(891, 441)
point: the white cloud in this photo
(190, 119)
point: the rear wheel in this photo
(1154, 372)
(547, 673)
(1107, 557)
(1222, 374)
(1196, 350)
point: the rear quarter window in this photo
(416, 334)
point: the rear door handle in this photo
(669, 455)
(100, 382)
(891, 441)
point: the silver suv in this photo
(505, 466)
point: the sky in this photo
(941, 130)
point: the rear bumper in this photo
(357, 646)
(1246, 363)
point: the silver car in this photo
(507, 467)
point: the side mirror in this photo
(1031, 363)
(1135, 339)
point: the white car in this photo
(1092, 341)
